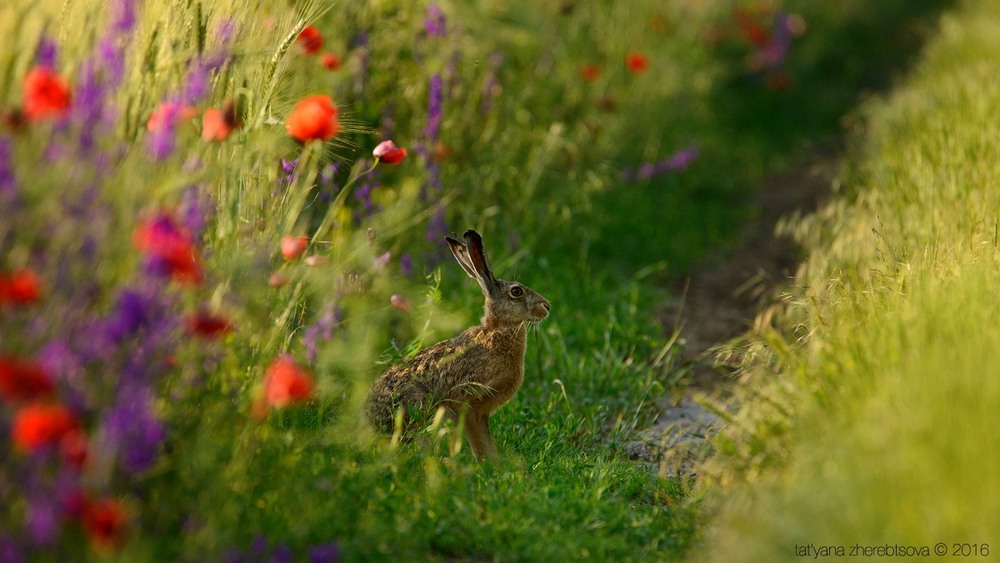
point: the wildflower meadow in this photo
(220, 222)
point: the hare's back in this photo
(433, 371)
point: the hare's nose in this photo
(546, 305)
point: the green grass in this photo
(875, 426)
(538, 172)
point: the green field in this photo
(152, 161)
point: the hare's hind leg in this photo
(491, 446)
(477, 428)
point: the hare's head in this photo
(507, 303)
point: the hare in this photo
(475, 372)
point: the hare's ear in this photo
(477, 255)
(461, 255)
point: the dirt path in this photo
(720, 301)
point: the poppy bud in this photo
(293, 247)
(389, 153)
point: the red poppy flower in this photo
(19, 288)
(589, 72)
(753, 31)
(45, 94)
(24, 380)
(214, 126)
(75, 503)
(169, 112)
(170, 249)
(314, 117)
(389, 153)
(40, 425)
(286, 383)
(756, 34)
(73, 448)
(293, 247)
(330, 61)
(310, 40)
(636, 63)
(207, 325)
(106, 522)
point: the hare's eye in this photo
(516, 291)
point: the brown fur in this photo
(472, 374)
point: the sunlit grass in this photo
(875, 432)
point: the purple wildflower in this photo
(161, 140)
(110, 50)
(773, 54)
(288, 167)
(124, 11)
(782, 29)
(681, 159)
(88, 108)
(674, 163)
(225, 31)
(435, 24)
(9, 551)
(131, 313)
(646, 170)
(8, 183)
(196, 85)
(325, 553)
(381, 261)
(438, 227)
(432, 188)
(133, 429)
(102, 73)
(364, 195)
(59, 359)
(406, 264)
(43, 519)
(328, 182)
(328, 176)
(435, 100)
(328, 320)
(47, 53)
(55, 151)
(259, 546)
(282, 554)
(192, 211)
